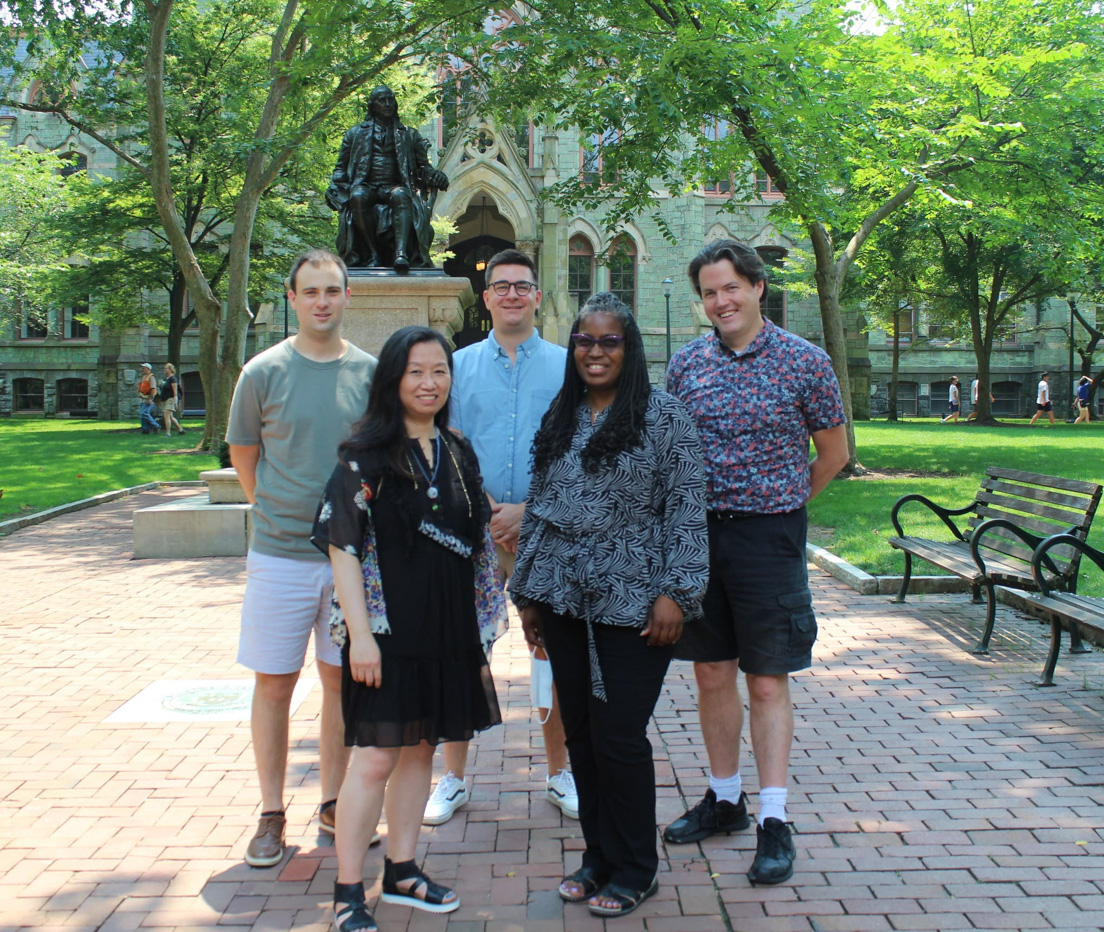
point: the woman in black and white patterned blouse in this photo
(613, 557)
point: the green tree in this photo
(34, 195)
(848, 126)
(118, 73)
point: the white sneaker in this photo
(448, 795)
(560, 791)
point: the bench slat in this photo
(1005, 542)
(954, 557)
(1086, 610)
(1064, 516)
(1055, 482)
(1000, 541)
(1080, 503)
(1042, 528)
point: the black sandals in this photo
(433, 898)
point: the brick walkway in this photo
(932, 789)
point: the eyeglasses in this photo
(502, 288)
(585, 341)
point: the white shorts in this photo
(284, 601)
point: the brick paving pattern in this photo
(931, 789)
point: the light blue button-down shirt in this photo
(498, 405)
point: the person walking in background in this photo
(405, 524)
(1042, 399)
(147, 392)
(293, 404)
(503, 385)
(613, 557)
(1083, 388)
(170, 395)
(743, 384)
(954, 401)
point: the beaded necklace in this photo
(432, 492)
(431, 481)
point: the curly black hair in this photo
(623, 427)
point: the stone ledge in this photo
(223, 486)
(865, 584)
(191, 527)
(16, 524)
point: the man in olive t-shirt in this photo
(293, 404)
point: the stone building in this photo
(495, 199)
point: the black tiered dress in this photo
(436, 682)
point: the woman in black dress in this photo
(403, 520)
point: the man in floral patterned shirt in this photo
(757, 394)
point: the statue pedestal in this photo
(382, 303)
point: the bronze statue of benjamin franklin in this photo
(383, 189)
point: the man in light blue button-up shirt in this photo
(501, 388)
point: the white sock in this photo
(772, 803)
(727, 788)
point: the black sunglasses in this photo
(585, 341)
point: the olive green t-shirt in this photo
(297, 411)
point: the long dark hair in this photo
(623, 428)
(380, 436)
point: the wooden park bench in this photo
(1081, 615)
(1010, 517)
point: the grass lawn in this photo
(44, 463)
(946, 464)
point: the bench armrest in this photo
(1032, 540)
(1056, 540)
(945, 514)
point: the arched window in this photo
(72, 328)
(73, 163)
(34, 326)
(715, 131)
(774, 308)
(592, 166)
(72, 394)
(457, 101)
(191, 387)
(580, 268)
(622, 270)
(1007, 399)
(940, 393)
(906, 399)
(765, 185)
(30, 394)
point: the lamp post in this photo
(668, 288)
(1073, 389)
(287, 288)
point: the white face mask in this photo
(540, 684)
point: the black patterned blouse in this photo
(603, 547)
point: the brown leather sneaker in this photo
(327, 821)
(267, 846)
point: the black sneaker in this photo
(774, 853)
(709, 817)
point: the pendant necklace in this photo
(431, 481)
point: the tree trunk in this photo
(208, 308)
(896, 364)
(178, 313)
(828, 283)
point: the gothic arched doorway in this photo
(482, 231)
